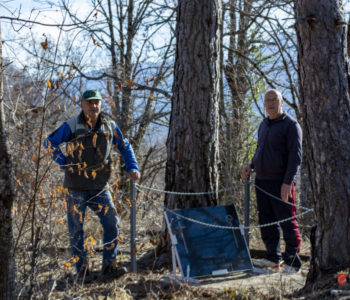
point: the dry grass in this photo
(55, 280)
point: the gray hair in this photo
(277, 92)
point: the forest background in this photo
(53, 51)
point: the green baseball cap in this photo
(92, 95)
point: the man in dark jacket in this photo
(276, 162)
(89, 138)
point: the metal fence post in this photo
(133, 227)
(247, 209)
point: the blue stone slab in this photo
(204, 250)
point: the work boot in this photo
(265, 263)
(290, 270)
(110, 271)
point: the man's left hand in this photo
(286, 192)
(134, 175)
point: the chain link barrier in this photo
(188, 193)
(141, 189)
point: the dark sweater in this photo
(279, 151)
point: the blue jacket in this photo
(279, 150)
(64, 134)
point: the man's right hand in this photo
(134, 175)
(246, 171)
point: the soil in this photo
(152, 281)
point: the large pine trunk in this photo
(324, 87)
(7, 270)
(193, 140)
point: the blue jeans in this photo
(101, 203)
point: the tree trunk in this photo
(324, 87)
(193, 139)
(7, 278)
(305, 221)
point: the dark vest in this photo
(89, 154)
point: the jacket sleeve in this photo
(53, 141)
(125, 149)
(294, 145)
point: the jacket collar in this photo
(82, 119)
(273, 121)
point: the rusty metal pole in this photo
(133, 227)
(247, 209)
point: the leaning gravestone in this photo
(205, 250)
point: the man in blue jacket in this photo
(89, 138)
(276, 162)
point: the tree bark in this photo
(324, 87)
(7, 267)
(193, 139)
